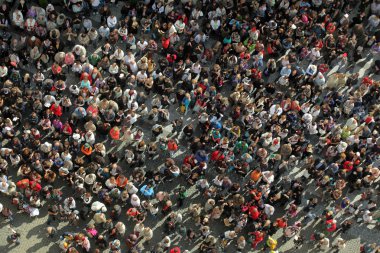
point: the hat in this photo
(293, 26)
(175, 250)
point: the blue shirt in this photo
(147, 192)
(285, 71)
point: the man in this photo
(53, 212)
(142, 44)
(141, 77)
(111, 21)
(104, 32)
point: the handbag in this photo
(182, 108)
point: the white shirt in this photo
(342, 147)
(313, 128)
(129, 58)
(373, 21)
(268, 177)
(95, 3)
(132, 189)
(133, 66)
(172, 30)
(113, 69)
(200, 38)
(215, 24)
(141, 76)
(195, 14)
(4, 186)
(275, 109)
(118, 55)
(135, 200)
(196, 68)
(76, 68)
(220, 12)
(180, 26)
(111, 21)
(315, 54)
(142, 45)
(20, 21)
(104, 31)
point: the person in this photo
(241, 243)
(172, 147)
(147, 190)
(181, 196)
(14, 237)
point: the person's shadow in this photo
(45, 241)
(38, 230)
(8, 247)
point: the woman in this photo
(241, 243)
(85, 83)
(17, 19)
(123, 33)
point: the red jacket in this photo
(185, 19)
(165, 42)
(348, 166)
(23, 183)
(189, 159)
(56, 69)
(330, 28)
(331, 225)
(56, 109)
(67, 128)
(35, 186)
(217, 156)
(171, 57)
(172, 146)
(254, 212)
(258, 238)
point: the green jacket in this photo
(94, 59)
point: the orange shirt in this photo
(115, 133)
(86, 151)
(121, 182)
(255, 175)
(172, 146)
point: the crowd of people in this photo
(254, 103)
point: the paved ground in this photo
(34, 240)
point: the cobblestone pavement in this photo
(34, 239)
